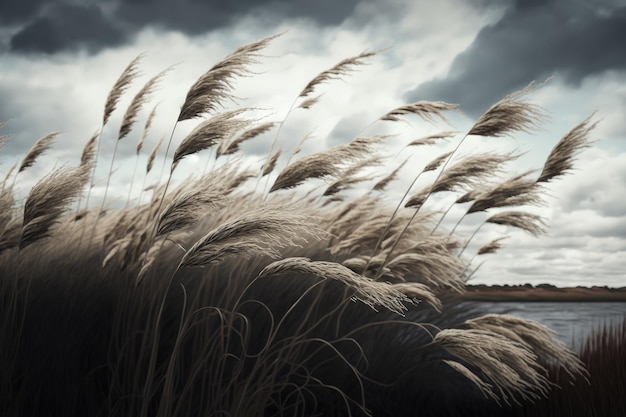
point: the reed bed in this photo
(216, 298)
(601, 394)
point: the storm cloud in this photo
(68, 27)
(531, 42)
(51, 27)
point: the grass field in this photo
(241, 292)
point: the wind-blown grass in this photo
(211, 299)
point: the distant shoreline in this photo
(543, 292)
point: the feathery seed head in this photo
(48, 199)
(340, 69)
(209, 133)
(561, 158)
(509, 115)
(120, 86)
(138, 101)
(212, 89)
(427, 110)
(368, 291)
(42, 145)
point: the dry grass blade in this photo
(363, 204)
(516, 191)
(209, 133)
(355, 168)
(300, 145)
(432, 139)
(418, 199)
(48, 199)
(324, 164)
(437, 270)
(189, 207)
(244, 250)
(120, 86)
(483, 386)
(436, 163)
(271, 163)
(382, 184)
(320, 165)
(491, 247)
(148, 260)
(529, 222)
(309, 102)
(4, 137)
(8, 175)
(440, 244)
(259, 232)
(561, 158)
(419, 292)
(510, 114)
(118, 229)
(237, 179)
(6, 207)
(349, 176)
(359, 264)
(368, 291)
(339, 70)
(509, 366)
(10, 237)
(212, 89)
(427, 110)
(541, 339)
(469, 196)
(118, 246)
(153, 154)
(230, 147)
(343, 183)
(470, 172)
(89, 151)
(146, 129)
(359, 231)
(42, 145)
(227, 177)
(139, 100)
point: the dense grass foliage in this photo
(238, 293)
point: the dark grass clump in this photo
(602, 393)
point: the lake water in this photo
(572, 320)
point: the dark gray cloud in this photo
(19, 11)
(198, 16)
(68, 27)
(532, 41)
(59, 25)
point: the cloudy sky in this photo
(59, 58)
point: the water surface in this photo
(572, 320)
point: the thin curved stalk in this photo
(393, 215)
(395, 243)
(470, 238)
(106, 190)
(169, 179)
(442, 217)
(273, 145)
(132, 180)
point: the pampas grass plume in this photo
(120, 86)
(42, 145)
